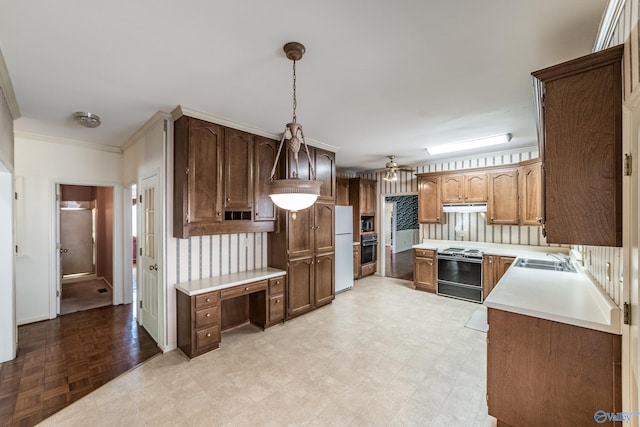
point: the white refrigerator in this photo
(344, 248)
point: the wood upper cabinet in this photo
(325, 168)
(265, 151)
(368, 197)
(238, 170)
(342, 191)
(464, 188)
(425, 268)
(452, 188)
(197, 176)
(324, 227)
(218, 187)
(301, 232)
(429, 205)
(580, 133)
(324, 288)
(475, 187)
(530, 197)
(502, 205)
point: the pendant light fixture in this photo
(293, 193)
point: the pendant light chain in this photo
(295, 102)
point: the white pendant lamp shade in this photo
(294, 194)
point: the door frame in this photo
(54, 238)
(381, 226)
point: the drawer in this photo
(276, 308)
(207, 337)
(427, 253)
(276, 285)
(207, 317)
(239, 290)
(367, 269)
(207, 300)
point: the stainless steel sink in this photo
(541, 264)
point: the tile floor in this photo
(380, 354)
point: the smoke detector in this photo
(88, 120)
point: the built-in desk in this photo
(207, 307)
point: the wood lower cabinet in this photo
(429, 204)
(580, 134)
(324, 279)
(544, 373)
(301, 293)
(493, 268)
(276, 309)
(502, 205)
(356, 262)
(199, 322)
(425, 270)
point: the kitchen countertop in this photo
(565, 297)
(196, 287)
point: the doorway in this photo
(400, 232)
(85, 227)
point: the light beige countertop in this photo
(570, 298)
(196, 287)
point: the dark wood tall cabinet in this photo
(305, 246)
(580, 134)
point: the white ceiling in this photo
(378, 78)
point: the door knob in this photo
(153, 267)
(64, 251)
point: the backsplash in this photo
(210, 256)
(472, 227)
(595, 259)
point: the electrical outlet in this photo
(460, 233)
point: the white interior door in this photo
(148, 286)
(58, 263)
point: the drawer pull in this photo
(208, 300)
(208, 334)
(277, 282)
(277, 301)
(246, 289)
(208, 315)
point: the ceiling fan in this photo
(392, 168)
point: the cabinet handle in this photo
(208, 315)
(539, 219)
(317, 226)
(277, 301)
(437, 218)
(430, 262)
(257, 214)
(218, 214)
(491, 219)
(246, 289)
(208, 300)
(277, 282)
(490, 261)
(208, 334)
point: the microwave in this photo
(366, 225)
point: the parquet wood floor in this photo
(400, 265)
(63, 359)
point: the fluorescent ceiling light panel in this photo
(469, 145)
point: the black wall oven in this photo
(460, 274)
(368, 248)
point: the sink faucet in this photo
(564, 259)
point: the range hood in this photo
(464, 207)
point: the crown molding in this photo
(608, 24)
(180, 111)
(74, 143)
(159, 116)
(7, 89)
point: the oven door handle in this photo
(461, 259)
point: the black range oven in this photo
(460, 273)
(368, 248)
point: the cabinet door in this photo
(371, 197)
(302, 169)
(301, 231)
(429, 206)
(205, 172)
(342, 191)
(325, 168)
(238, 168)
(503, 264)
(475, 188)
(530, 197)
(502, 207)
(488, 274)
(265, 151)
(324, 227)
(424, 274)
(452, 189)
(324, 279)
(300, 289)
